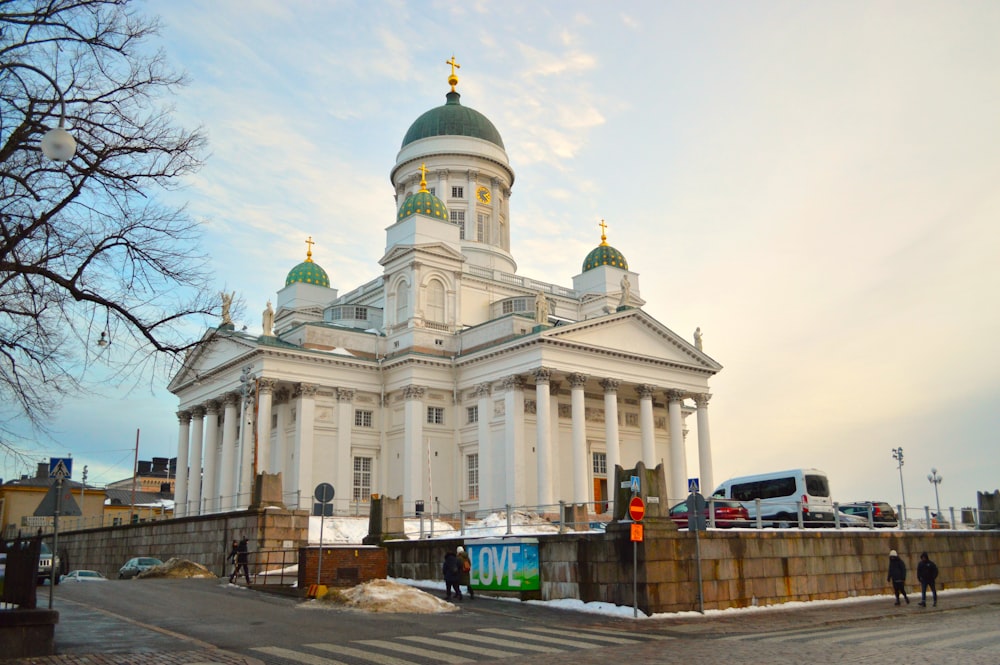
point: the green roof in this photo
(308, 272)
(452, 119)
(604, 255)
(423, 203)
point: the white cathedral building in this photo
(449, 379)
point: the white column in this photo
(486, 465)
(612, 446)
(646, 426)
(227, 461)
(678, 456)
(245, 451)
(543, 438)
(211, 458)
(581, 493)
(305, 415)
(283, 450)
(513, 440)
(194, 482)
(265, 392)
(414, 460)
(704, 444)
(181, 483)
(560, 481)
(344, 470)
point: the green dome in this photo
(452, 119)
(308, 272)
(423, 203)
(604, 255)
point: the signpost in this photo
(636, 511)
(60, 468)
(324, 494)
(696, 523)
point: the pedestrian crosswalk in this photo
(453, 647)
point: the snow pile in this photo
(388, 596)
(177, 568)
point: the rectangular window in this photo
(362, 418)
(432, 190)
(458, 217)
(472, 475)
(458, 192)
(362, 479)
(507, 307)
(600, 464)
(361, 313)
(435, 415)
(473, 414)
(482, 221)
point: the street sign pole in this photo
(55, 538)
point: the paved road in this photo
(199, 621)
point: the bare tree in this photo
(88, 253)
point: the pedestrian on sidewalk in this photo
(233, 551)
(465, 574)
(450, 569)
(241, 562)
(927, 573)
(897, 575)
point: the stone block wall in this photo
(204, 539)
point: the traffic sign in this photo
(693, 486)
(60, 467)
(635, 533)
(635, 484)
(636, 508)
(323, 493)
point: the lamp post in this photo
(897, 454)
(57, 143)
(935, 480)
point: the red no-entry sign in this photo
(636, 509)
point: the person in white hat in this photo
(465, 571)
(897, 575)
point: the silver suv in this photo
(45, 565)
(882, 514)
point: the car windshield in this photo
(88, 573)
(149, 562)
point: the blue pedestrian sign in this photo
(635, 484)
(693, 486)
(60, 468)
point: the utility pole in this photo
(897, 454)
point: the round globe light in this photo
(58, 145)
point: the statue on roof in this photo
(541, 309)
(697, 338)
(268, 320)
(626, 291)
(227, 303)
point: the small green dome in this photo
(604, 255)
(452, 119)
(308, 272)
(423, 203)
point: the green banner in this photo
(505, 564)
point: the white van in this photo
(781, 494)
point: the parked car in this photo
(782, 495)
(728, 514)
(45, 565)
(882, 513)
(136, 565)
(850, 519)
(84, 576)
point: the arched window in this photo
(435, 301)
(402, 302)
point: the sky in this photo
(811, 184)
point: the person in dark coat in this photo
(897, 575)
(451, 569)
(241, 562)
(465, 571)
(233, 551)
(927, 573)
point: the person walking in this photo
(897, 575)
(233, 551)
(241, 562)
(450, 569)
(465, 571)
(927, 573)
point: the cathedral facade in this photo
(449, 379)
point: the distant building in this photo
(449, 379)
(157, 475)
(19, 499)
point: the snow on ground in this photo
(384, 596)
(352, 530)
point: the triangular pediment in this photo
(634, 333)
(436, 249)
(217, 348)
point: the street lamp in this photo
(935, 480)
(897, 454)
(57, 143)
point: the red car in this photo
(728, 514)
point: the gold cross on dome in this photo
(309, 249)
(423, 177)
(604, 228)
(454, 65)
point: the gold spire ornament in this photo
(309, 250)
(604, 238)
(423, 179)
(453, 79)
